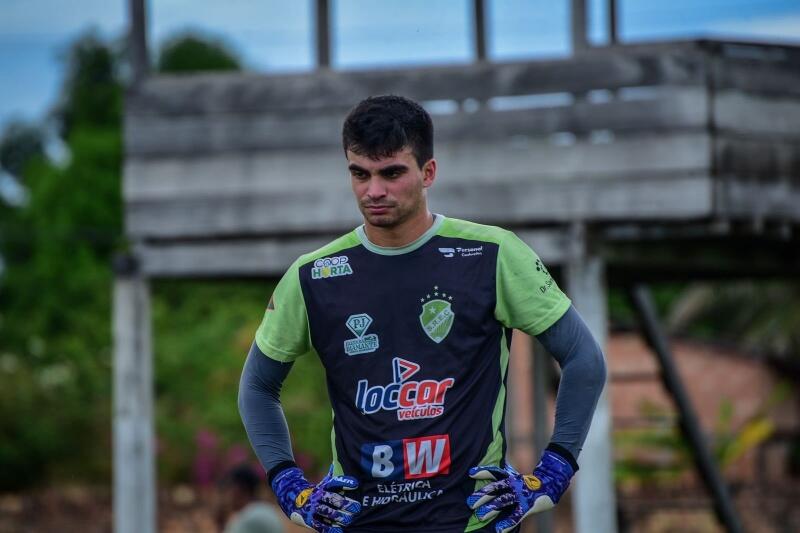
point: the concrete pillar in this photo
(134, 460)
(594, 500)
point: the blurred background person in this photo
(240, 509)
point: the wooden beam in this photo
(517, 203)
(681, 109)
(579, 26)
(323, 33)
(758, 160)
(269, 257)
(519, 159)
(479, 29)
(642, 302)
(134, 438)
(746, 115)
(329, 90)
(137, 41)
(612, 7)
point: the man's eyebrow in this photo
(393, 168)
(354, 167)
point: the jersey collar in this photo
(438, 220)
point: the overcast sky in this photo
(274, 35)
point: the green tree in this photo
(20, 143)
(189, 53)
(55, 298)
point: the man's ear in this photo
(429, 173)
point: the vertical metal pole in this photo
(134, 460)
(323, 17)
(689, 424)
(594, 499)
(578, 26)
(541, 430)
(137, 36)
(479, 29)
(613, 22)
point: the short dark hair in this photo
(244, 477)
(380, 126)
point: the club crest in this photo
(437, 315)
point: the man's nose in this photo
(376, 188)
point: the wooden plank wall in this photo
(612, 136)
(756, 120)
(672, 132)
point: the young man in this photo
(411, 315)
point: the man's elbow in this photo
(597, 370)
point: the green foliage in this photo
(20, 144)
(54, 334)
(658, 452)
(762, 316)
(191, 53)
(92, 95)
(55, 305)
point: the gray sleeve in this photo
(260, 408)
(583, 375)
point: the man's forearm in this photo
(583, 374)
(260, 409)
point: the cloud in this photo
(773, 27)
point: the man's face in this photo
(390, 190)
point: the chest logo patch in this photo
(363, 343)
(437, 315)
(331, 267)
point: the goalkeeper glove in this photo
(320, 507)
(521, 495)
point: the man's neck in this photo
(401, 235)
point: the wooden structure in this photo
(626, 162)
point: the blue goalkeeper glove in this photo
(320, 507)
(520, 494)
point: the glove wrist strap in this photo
(277, 469)
(564, 453)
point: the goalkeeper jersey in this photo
(415, 345)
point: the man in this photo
(240, 509)
(411, 315)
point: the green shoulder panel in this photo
(527, 295)
(464, 229)
(284, 333)
(348, 240)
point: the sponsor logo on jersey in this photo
(437, 315)
(548, 282)
(462, 252)
(331, 267)
(415, 458)
(411, 399)
(362, 344)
